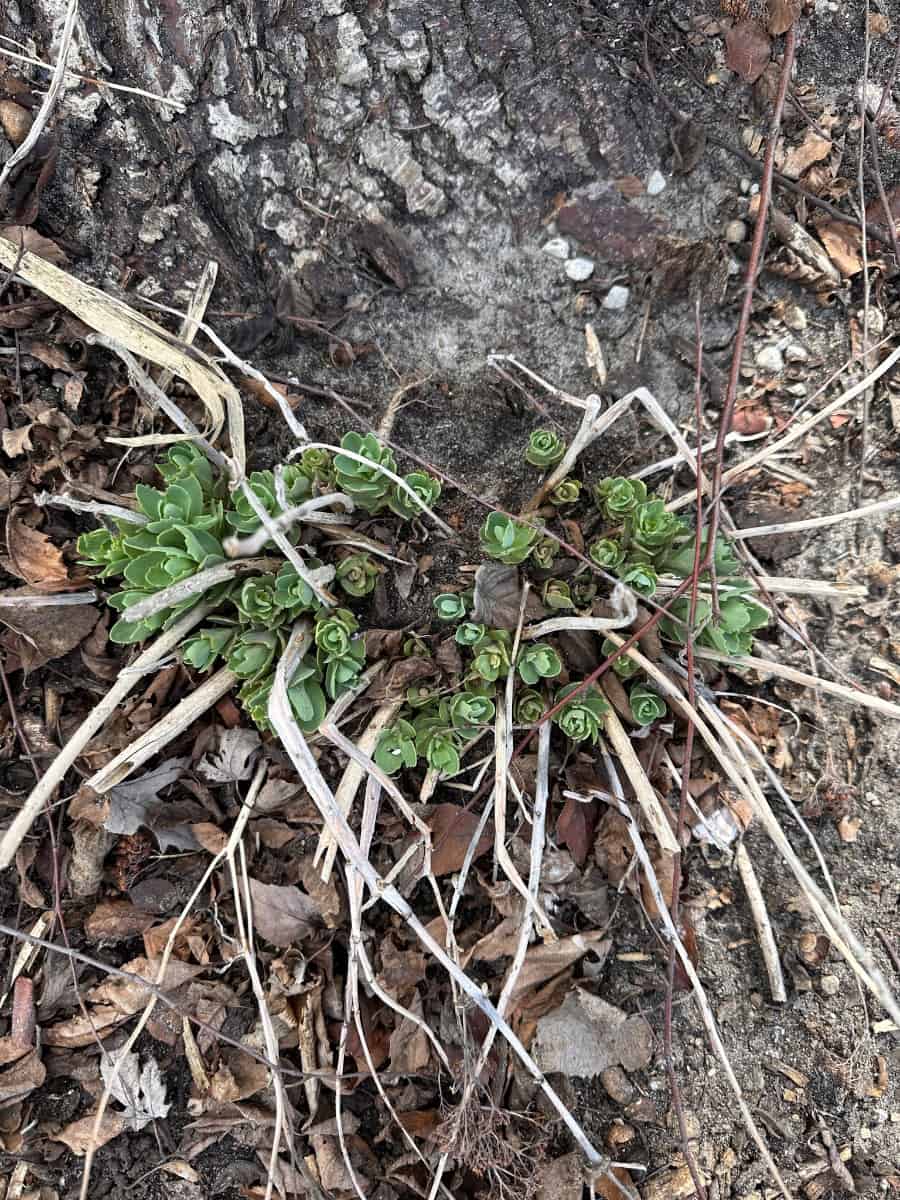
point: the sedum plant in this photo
(537, 662)
(545, 449)
(507, 540)
(566, 492)
(425, 486)
(181, 528)
(364, 482)
(357, 574)
(581, 716)
(646, 705)
(396, 747)
(449, 607)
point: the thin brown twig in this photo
(756, 246)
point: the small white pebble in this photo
(735, 231)
(580, 269)
(797, 389)
(745, 186)
(616, 297)
(656, 183)
(754, 189)
(795, 318)
(830, 985)
(795, 353)
(770, 359)
(557, 247)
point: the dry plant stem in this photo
(706, 1013)
(195, 585)
(354, 773)
(830, 916)
(32, 942)
(864, 244)
(685, 793)
(93, 723)
(120, 1055)
(649, 802)
(49, 101)
(625, 601)
(394, 478)
(726, 751)
(782, 671)
(99, 83)
(797, 432)
(393, 405)
(114, 512)
(196, 310)
(164, 731)
(820, 588)
(763, 925)
(314, 578)
(136, 332)
(753, 264)
(244, 921)
(238, 547)
(538, 830)
(852, 514)
(502, 755)
(304, 762)
(50, 600)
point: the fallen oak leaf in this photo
(782, 15)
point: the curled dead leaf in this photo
(748, 49)
(34, 558)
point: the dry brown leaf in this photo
(747, 50)
(17, 441)
(575, 827)
(545, 962)
(210, 836)
(782, 15)
(400, 969)
(409, 1048)
(34, 558)
(676, 1184)
(843, 245)
(32, 241)
(282, 915)
(452, 829)
(239, 1076)
(35, 636)
(501, 942)
(586, 1035)
(800, 158)
(78, 1135)
(116, 921)
(22, 1077)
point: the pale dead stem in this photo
(295, 744)
(100, 83)
(703, 1006)
(91, 725)
(49, 102)
(764, 932)
(728, 754)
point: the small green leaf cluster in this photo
(182, 533)
(362, 477)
